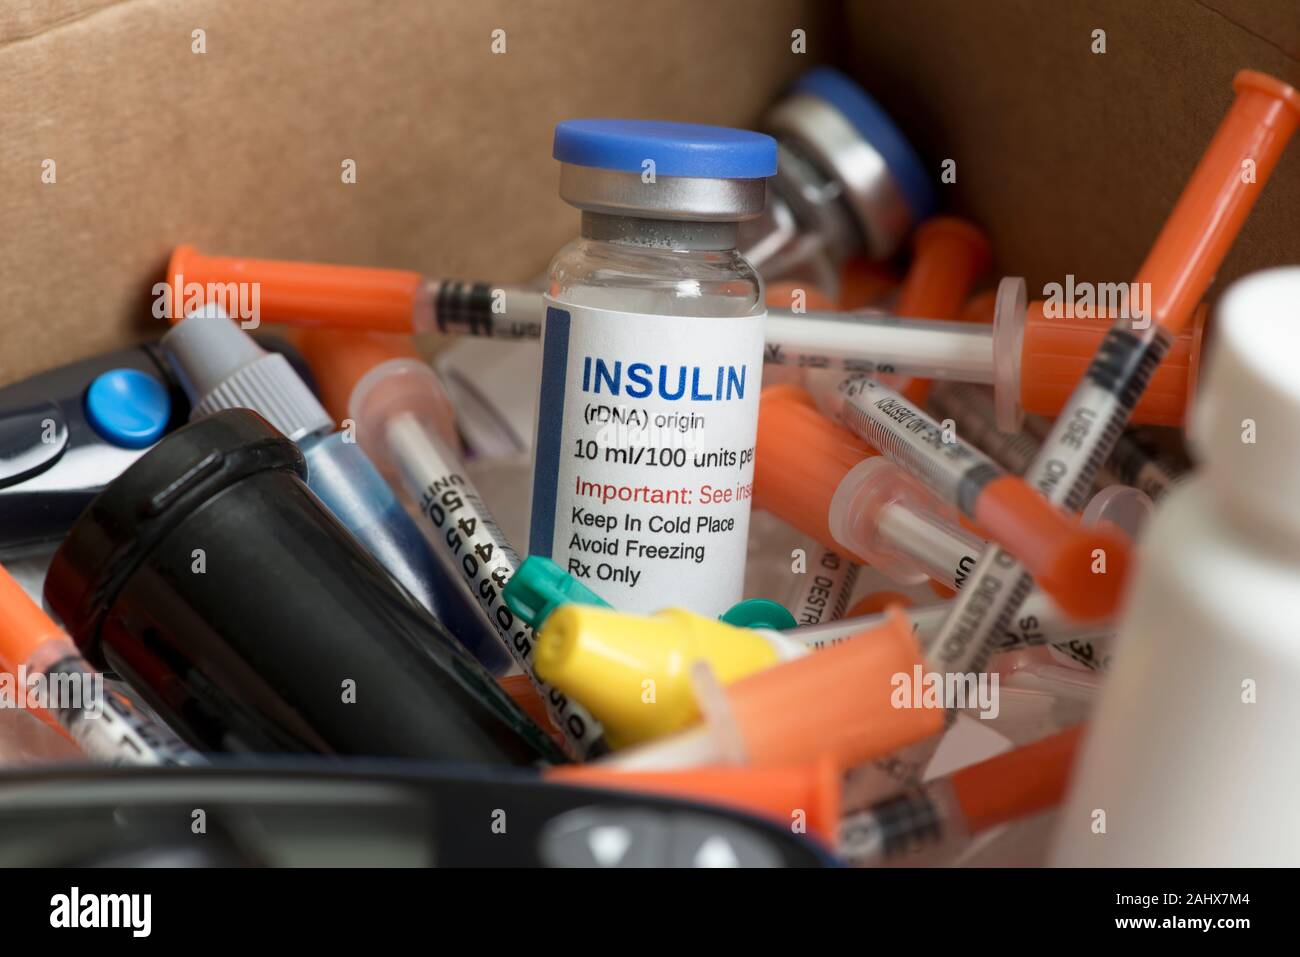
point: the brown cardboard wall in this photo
(239, 149)
(1072, 159)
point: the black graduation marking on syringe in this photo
(1122, 366)
(908, 822)
(1130, 459)
(464, 307)
(1124, 363)
(1004, 586)
(139, 731)
(972, 485)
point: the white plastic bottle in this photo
(1193, 758)
(652, 364)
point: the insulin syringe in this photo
(1081, 568)
(1028, 355)
(1031, 359)
(929, 824)
(393, 407)
(834, 487)
(839, 703)
(105, 723)
(940, 817)
(971, 409)
(1177, 271)
(1039, 623)
(962, 474)
(358, 298)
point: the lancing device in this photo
(221, 367)
(67, 432)
(218, 586)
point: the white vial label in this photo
(645, 454)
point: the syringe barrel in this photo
(1131, 464)
(482, 309)
(971, 409)
(357, 298)
(912, 440)
(913, 822)
(1217, 199)
(948, 255)
(944, 551)
(878, 343)
(107, 726)
(1039, 622)
(299, 293)
(885, 516)
(823, 592)
(1058, 351)
(1059, 553)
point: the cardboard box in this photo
(233, 139)
(1072, 159)
(239, 149)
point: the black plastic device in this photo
(211, 579)
(424, 816)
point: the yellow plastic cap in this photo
(632, 672)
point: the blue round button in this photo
(128, 408)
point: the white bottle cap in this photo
(1243, 424)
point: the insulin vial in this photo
(1190, 758)
(652, 360)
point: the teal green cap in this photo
(540, 586)
(759, 613)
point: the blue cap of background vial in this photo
(678, 149)
(878, 129)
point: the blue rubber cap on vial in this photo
(879, 130)
(677, 149)
(128, 408)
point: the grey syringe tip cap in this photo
(220, 366)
